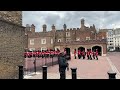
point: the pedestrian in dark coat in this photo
(63, 64)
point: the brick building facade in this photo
(73, 38)
(12, 43)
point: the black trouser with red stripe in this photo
(83, 56)
(88, 57)
(93, 56)
(79, 56)
(96, 57)
(75, 56)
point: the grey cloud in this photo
(51, 19)
(101, 19)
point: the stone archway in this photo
(67, 50)
(68, 53)
(99, 48)
(81, 48)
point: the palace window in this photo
(43, 41)
(87, 38)
(59, 40)
(51, 41)
(67, 34)
(31, 41)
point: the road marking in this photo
(113, 68)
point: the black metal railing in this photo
(35, 64)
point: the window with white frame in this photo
(31, 41)
(43, 41)
(87, 38)
(67, 34)
(51, 41)
(59, 40)
(77, 39)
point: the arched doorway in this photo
(81, 48)
(68, 52)
(99, 48)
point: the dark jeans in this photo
(62, 72)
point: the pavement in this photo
(86, 69)
(114, 61)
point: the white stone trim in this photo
(59, 40)
(57, 47)
(51, 41)
(43, 48)
(31, 49)
(31, 41)
(104, 54)
(43, 40)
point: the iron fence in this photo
(34, 64)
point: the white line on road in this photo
(114, 68)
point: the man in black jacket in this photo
(63, 64)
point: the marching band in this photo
(91, 54)
(43, 53)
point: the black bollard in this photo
(20, 72)
(44, 72)
(112, 74)
(74, 75)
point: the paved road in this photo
(86, 69)
(115, 59)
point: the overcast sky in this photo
(101, 19)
